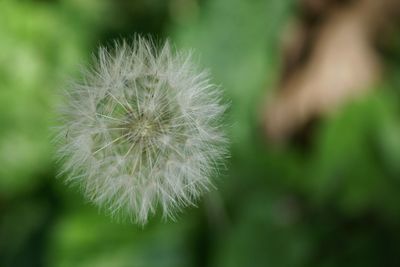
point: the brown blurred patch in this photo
(329, 59)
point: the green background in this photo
(336, 203)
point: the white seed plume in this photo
(143, 130)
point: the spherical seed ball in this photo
(142, 130)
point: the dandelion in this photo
(142, 131)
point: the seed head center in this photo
(141, 128)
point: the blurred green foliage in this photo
(334, 204)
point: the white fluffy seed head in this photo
(142, 130)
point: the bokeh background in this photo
(314, 122)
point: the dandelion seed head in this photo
(142, 130)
